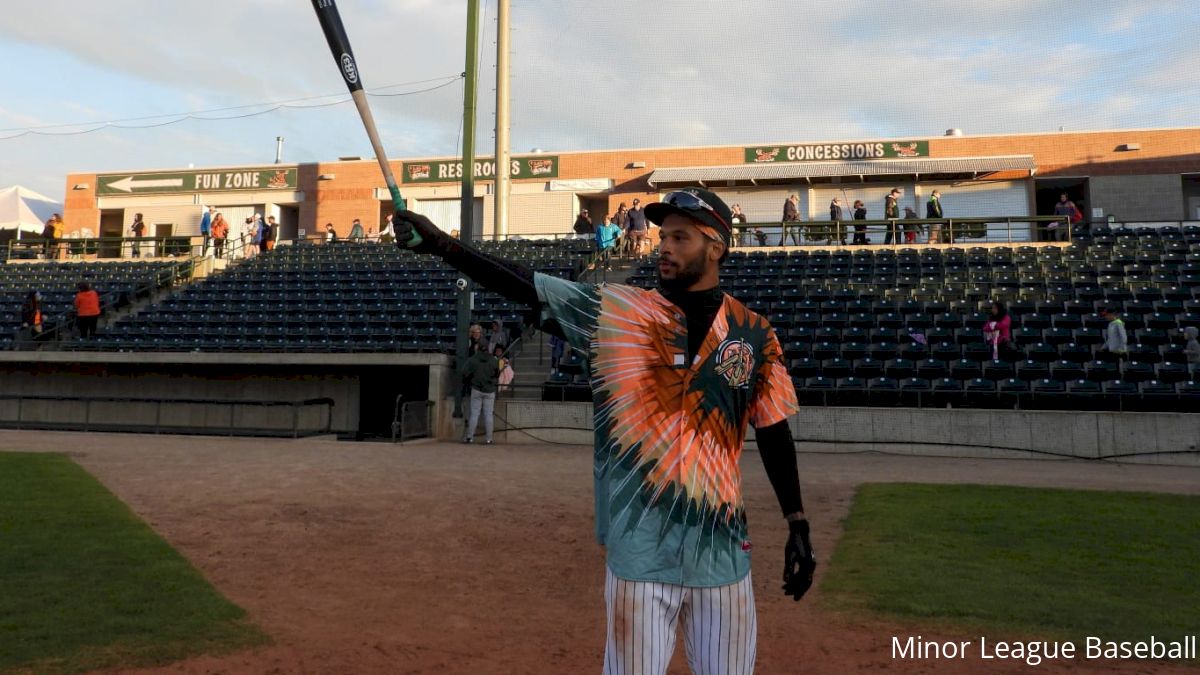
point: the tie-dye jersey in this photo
(669, 433)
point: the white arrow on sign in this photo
(129, 184)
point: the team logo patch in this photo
(735, 362)
(746, 545)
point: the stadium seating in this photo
(118, 283)
(900, 327)
(347, 297)
(903, 327)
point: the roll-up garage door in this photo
(541, 213)
(447, 213)
(763, 205)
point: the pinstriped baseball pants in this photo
(720, 629)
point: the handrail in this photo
(947, 230)
(68, 321)
(164, 246)
(398, 418)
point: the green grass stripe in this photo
(84, 583)
(1048, 562)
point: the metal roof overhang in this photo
(767, 173)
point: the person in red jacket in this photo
(87, 309)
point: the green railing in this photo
(902, 231)
(120, 248)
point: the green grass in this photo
(85, 584)
(1047, 563)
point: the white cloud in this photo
(593, 75)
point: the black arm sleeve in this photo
(778, 453)
(510, 279)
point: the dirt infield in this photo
(437, 558)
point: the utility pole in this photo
(503, 155)
(466, 227)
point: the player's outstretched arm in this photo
(778, 452)
(510, 279)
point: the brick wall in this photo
(351, 193)
(79, 206)
(1087, 154)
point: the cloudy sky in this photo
(586, 75)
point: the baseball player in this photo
(676, 374)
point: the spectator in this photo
(260, 231)
(835, 215)
(760, 236)
(737, 220)
(251, 236)
(1192, 348)
(330, 235)
(911, 229)
(621, 220)
(583, 224)
(138, 230)
(1116, 341)
(206, 229)
(498, 336)
(386, 234)
(356, 231)
(737, 217)
(891, 211)
(31, 317)
(933, 209)
(860, 231)
(791, 214)
(57, 231)
(506, 375)
(481, 374)
(637, 228)
(48, 236)
(1064, 207)
(220, 231)
(997, 330)
(87, 309)
(556, 353)
(475, 338)
(606, 238)
(269, 232)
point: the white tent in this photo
(24, 209)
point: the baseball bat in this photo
(343, 55)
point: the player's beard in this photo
(687, 274)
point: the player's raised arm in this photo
(510, 279)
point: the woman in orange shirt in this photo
(220, 230)
(87, 309)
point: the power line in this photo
(201, 115)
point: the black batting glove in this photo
(416, 232)
(799, 562)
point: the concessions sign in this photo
(821, 152)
